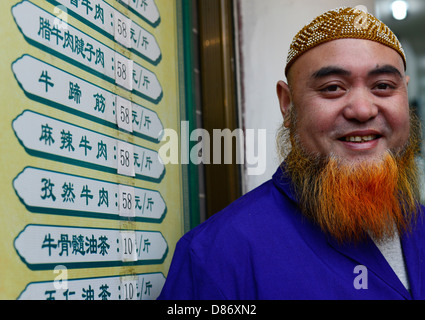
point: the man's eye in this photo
(384, 86)
(331, 88)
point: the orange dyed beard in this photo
(349, 201)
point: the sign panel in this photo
(89, 209)
(38, 27)
(54, 87)
(44, 247)
(134, 287)
(45, 191)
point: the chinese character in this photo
(74, 3)
(89, 49)
(46, 134)
(99, 13)
(78, 245)
(144, 5)
(103, 245)
(84, 143)
(104, 294)
(146, 245)
(148, 162)
(85, 193)
(92, 245)
(134, 115)
(103, 197)
(68, 293)
(68, 41)
(44, 77)
(101, 150)
(150, 204)
(48, 243)
(74, 92)
(146, 82)
(57, 33)
(100, 57)
(88, 294)
(79, 46)
(66, 139)
(44, 29)
(100, 103)
(147, 122)
(148, 288)
(64, 243)
(47, 189)
(136, 157)
(50, 294)
(132, 35)
(87, 4)
(68, 192)
(138, 206)
(145, 42)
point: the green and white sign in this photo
(52, 192)
(44, 247)
(132, 287)
(51, 138)
(57, 88)
(69, 43)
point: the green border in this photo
(188, 108)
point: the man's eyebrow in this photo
(386, 69)
(330, 71)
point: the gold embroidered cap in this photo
(342, 23)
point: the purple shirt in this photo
(262, 247)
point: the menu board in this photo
(89, 211)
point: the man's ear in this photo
(284, 96)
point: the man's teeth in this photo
(360, 138)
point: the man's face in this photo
(350, 100)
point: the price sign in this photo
(125, 159)
(124, 112)
(128, 246)
(127, 201)
(123, 71)
(122, 26)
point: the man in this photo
(340, 219)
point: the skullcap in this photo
(342, 23)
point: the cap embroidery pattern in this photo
(342, 23)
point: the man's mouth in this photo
(360, 139)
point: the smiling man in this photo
(341, 218)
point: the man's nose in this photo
(360, 106)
